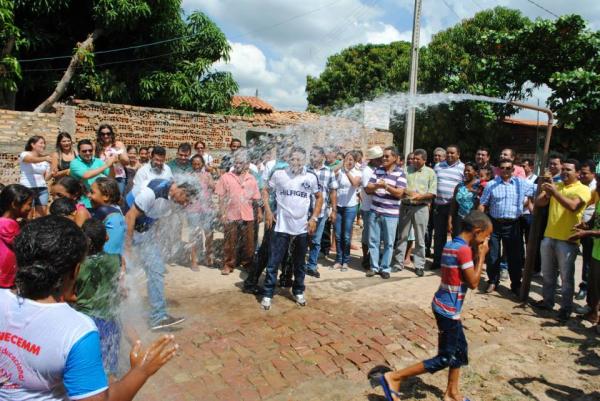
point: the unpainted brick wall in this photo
(143, 126)
(16, 127)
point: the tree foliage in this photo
(171, 74)
(359, 73)
(497, 53)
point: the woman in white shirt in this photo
(35, 170)
(348, 178)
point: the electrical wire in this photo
(143, 45)
(452, 9)
(543, 8)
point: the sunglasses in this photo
(506, 168)
(105, 134)
(86, 151)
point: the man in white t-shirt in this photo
(374, 156)
(156, 169)
(293, 188)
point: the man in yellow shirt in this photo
(567, 202)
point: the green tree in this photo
(171, 73)
(359, 73)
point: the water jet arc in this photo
(536, 226)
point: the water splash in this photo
(378, 112)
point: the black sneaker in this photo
(250, 289)
(384, 275)
(167, 321)
(563, 317)
(540, 305)
(581, 294)
(419, 272)
(313, 273)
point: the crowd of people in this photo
(107, 199)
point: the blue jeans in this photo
(561, 254)
(280, 242)
(381, 228)
(121, 183)
(149, 255)
(507, 234)
(343, 233)
(315, 244)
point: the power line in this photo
(452, 9)
(159, 42)
(543, 8)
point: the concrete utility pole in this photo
(409, 134)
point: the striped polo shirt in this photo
(383, 202)
(448, 299)
(448, 178)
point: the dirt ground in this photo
(233, 350)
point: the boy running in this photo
(460, 270)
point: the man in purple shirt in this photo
(387, 186)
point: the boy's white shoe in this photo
(266, 303)
(300, 300)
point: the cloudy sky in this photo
(277, 43)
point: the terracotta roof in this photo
(256, 103)
(526, 123)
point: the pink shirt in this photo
(518, 172)
(238, 192)
(9, 229)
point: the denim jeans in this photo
(343, 233)
(150, 256)
(507, 235)
(561, 254)
(440, 232)
(381, 228)
(315, 244)
(260, 260)
(280, 242)
(365, 232)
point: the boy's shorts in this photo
(452, 346)
(110, 344)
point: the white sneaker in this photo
(266, 303)
(300, 300)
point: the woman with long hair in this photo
(107, 146)
(35, 171)
(466, 199)
(348, 179)
(15, 205)
(62, 157)
(132, 167)
(57, 355)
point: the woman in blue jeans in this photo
(348, 179)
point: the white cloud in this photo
(277, 43)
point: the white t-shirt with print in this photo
(346, 193)
(48, 352)
(33, 174)
(292, 194)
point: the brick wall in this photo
(16, 127)
(143, 126)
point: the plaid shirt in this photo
(327, 182)
(505, 199)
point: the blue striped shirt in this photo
(383, 202)
(505, 199)
(448, 177)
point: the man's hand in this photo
(578, 234)
(450, 226)
(380, 184)
(312, 226)
(333, 216)
(110, 160)
(549, 188)
(268, 219)
(150, 360)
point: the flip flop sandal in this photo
(377, 378)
